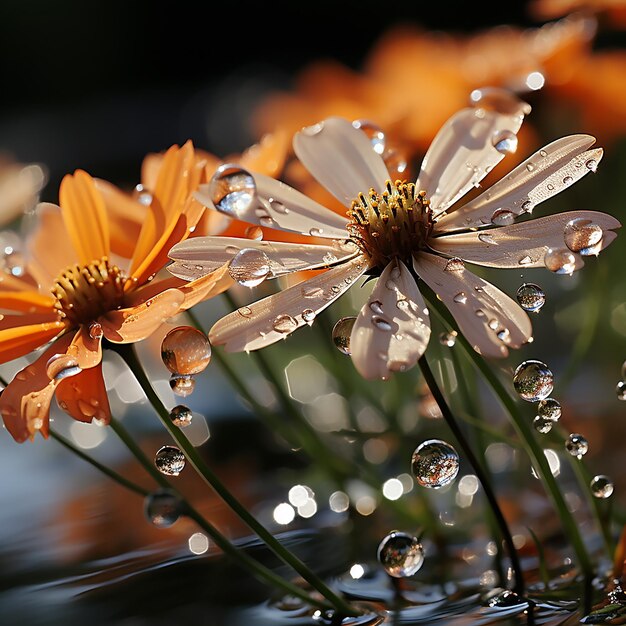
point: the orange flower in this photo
(74, 293)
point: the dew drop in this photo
(185, 351)
(530, 167)
(620, 390)
(568, 180)
(493, 323)
(503, 598)
(525, 260)
(488, 239)
(531, 297)
(374, 133)
(96, 331)
(560, 261)
(278, 207)
(400, 554)
(583, 236)
(182, 385)
(542, 425)
(315, 232)
(254, 232)
(341, 334)
(181, 416)
(504, 141)
(504, 335)
(591, 165)
(313, 130)
(249, 267)
(244, 311)
(376, 306)
(503, 217)
(162, 508)
(435, 464)
(500, 100)
(528, 206)
(550, 409)
(576, 445)
(460, 298)
(232, 190)
(448, 339)
(284, 324)
(454, 265)
(381, 323)
(601, 486)
(169, 460)
(308, 315)
(533, 381)
(62, 366)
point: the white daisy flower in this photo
(403, 233)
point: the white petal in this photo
(521, 245)
(277, 205)
(392, 330)
(541, 176)
(198, 256)
(271, 319)
(481, 310)
(341, 158)
(463, 153)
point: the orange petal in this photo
(85, 349)
(26, 301)
(20, 340)
(138, 322)
(25, 403)
(269, 155)
(126, 217)
(84, 396)
(85, 216)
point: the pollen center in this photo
(84, 292)
(394, 224)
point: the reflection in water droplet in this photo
(504, 141)
(601, 486)
(284, 324)
(374, 133)
(550, 409)
(542, 425)
(182, 385)
(169, 460)
(576, 445)
(249, 267)
(62, 366)
(583, 236)
(560, 261)
(308, 315)
(531, 297)
(448, 339)
(460, 298)
(435, 464)
(528, 206)
(502, 217)
(185, 350)
(620, 390)
(400, 554)
(162, 508)
(533, 381)
(181, 416)
(232, 190)
(454, 265)
(341, 333)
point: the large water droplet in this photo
(503, 217)
(454, 265)
(341, 333)
(504, 141)
(181, 416)
(583, 236)
(550, 409)
(182, 385)
(374, 133)
(542, 425)
(620, 390)
(533, 381)
(170, 460)
(284, 324)
(435, 464)
(185, 351)
(448, 339)
(531, 297)
(162, 508)
(560, 261)
(232, 190)
(576, 445)
(62, 366)
(249, 267)
(400, 554)
(601, 486)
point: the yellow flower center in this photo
(84, 293)
(391, 225)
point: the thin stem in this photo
(478, 470)
(131, 360)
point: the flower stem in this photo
(482, 477)
(127, 353)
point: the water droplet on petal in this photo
(249, 267)
(583, 236)
(525, 260)
(591, 165)
(533, 381)
(244, 311)
(308, 315)
(181, 416)
(560, 261)
(454, 265)
(488, 239)
(568, 180)
(504, 335)
(232, 190)
(182, 385)
(400, 554)
(601, 486)
(254, 232)
(435, 464)
(620, 390)
(448, 339)
(542, 425)
(162, 508)
(142, 195)
(550, 409)
(341, 334)
(185, 350)
(502, 217)
(313, 130)
(528, 206)
(531, 297)
(374, 133)
(284, 324)
(500, 100)
(381, 323)
(96, 331)
(376, 306)
(316, 232)
(576, 445)
(530, 167)
(170, 460)
(460, 298)
(504, 141)
(62, 366)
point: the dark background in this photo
(99, 84)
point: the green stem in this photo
(127, 353)
(478, 470)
